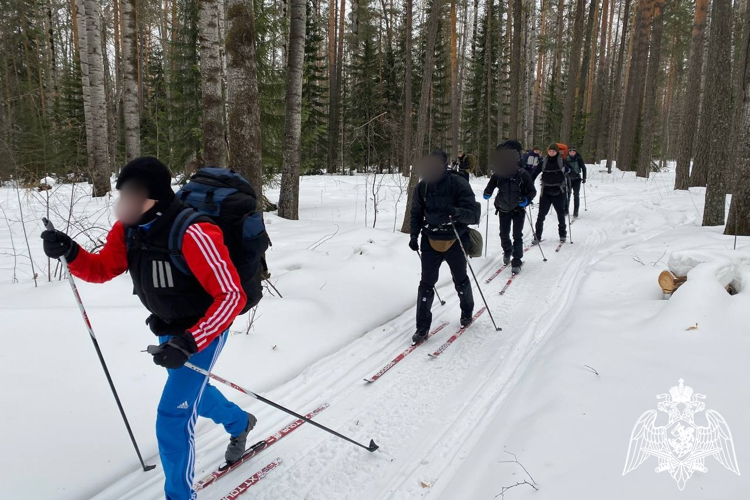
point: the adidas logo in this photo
(183, 406)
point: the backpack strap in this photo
(177, 235)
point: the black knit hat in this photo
(572, 148)
(151, 174)
(510, 144)
(553, 147)
(440, 154)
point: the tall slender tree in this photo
(575, 66)
(433, 22)
(214, 143)
(131, 109)
(712, 153)
(650, 115)
(242, 94)
(515, 72)
(289, 196)
(692, 96)
(616, 92)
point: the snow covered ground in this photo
(443, 425)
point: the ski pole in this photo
(442, 302)
(533, 233)
(466, 256)
(372, 447)
(585, 205)
(487, 229)
(570, 229)
(48, 225)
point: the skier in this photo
(531, 160)
(554, 186)
(191, 314)
(576, 176)
(515, 191)
(462, 164)
(441, 201)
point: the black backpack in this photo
(228, 200)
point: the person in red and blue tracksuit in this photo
(191, 314)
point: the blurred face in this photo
(431, 168)
(504, 162)
(538, 151)
(551, 152)
(573, 152)
(132, 204)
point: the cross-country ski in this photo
(403, 354)
(253, 450)
(227, 226)
(251, 481)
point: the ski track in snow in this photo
(425, 414)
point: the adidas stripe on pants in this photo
(187, 394)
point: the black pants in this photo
(515, 218)
(547, 201)
(431, 261)
(575, 189)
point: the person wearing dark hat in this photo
(515, 192)
(191, 314)
(554, 187)
(531, 160)
(441, 202)
(576, 176)
(462, 162)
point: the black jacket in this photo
(580, 164)
(433, 204)
(511, 189)
(554, 177)
(182, 299)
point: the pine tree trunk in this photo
(454, 83)
(627, 154)
(592, 130)
(530, 24)
(83, 58)
(488, 66)
(424, 100)
(331, 84)
(290, 171)
(557, 68)
(100, 140)
(214, 143)
(739, 211)
(242, 95)
(712, 152)
(575, 65)
(609, 152)
(588, 55)
(650, 116)
(339, 72)
(406, 169)
(692, 96)
(515, 72)
(131, 109)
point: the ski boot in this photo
(420, 336)
(466, 319)
(536, 241)
(237, 444)
(516, 268)
(563, 239)
(506, 259)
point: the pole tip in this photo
(499, 329)
(147, 468)
(372, 446)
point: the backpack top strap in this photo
(177, 235)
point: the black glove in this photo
(160, 327)
(58, 244)
(584, 181)
(414, 243)
(175, 352)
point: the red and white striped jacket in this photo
(207, 258)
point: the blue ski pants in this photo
(187, 394)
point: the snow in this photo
(348, 289)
